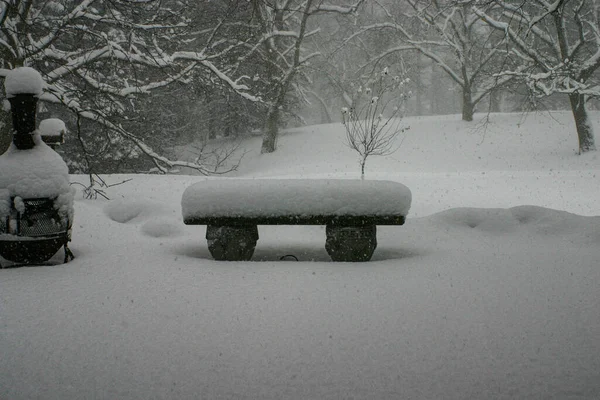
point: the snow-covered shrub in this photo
(374, 120)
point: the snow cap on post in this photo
(52, 127)
(23, 80)
(52, 131)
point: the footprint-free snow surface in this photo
(486, 293)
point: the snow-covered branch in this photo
(100, 56)
(561, 48)
(330, 8)
(162, 163)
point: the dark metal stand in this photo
(68, 254)
(34, 236)
(232, 243)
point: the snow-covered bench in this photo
(350, 209)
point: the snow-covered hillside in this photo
(484, 293)
(512, 160)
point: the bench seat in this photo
(304, 200)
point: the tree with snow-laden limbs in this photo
(559, 44)
(374, 120)
(285, 27)
(450, 35)
(99, 56)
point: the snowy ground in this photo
(488, 291)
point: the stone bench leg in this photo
(231, 243)
(351, 243)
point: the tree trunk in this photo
(325, 114)
(468, 109)
(269, 142)
(211, 129)
(496, 101)
(211, 114)
(419, 86)
(362, 166)
(434, 92)
(585, 131)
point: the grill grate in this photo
(38, 219)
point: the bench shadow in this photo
(384, 253)
(300, 253)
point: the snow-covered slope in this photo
(441, 144)
(514, 159)
(482, 294)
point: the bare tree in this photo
(559, 43)
(285, 28)
(374, 120)
(452, 36)
(99, 56)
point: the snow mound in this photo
(491, 220)
(24, 80)
(536, 220)
(548, 222)
(35, 173)
(279, 197)
(124, 211)
(162, 228)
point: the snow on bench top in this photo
(256, 198)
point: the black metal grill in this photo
(34, 230)
(41, 228)
(40, 218)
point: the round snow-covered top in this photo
(255, 198)
(24, 80)
(52, 127)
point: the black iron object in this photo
(54, 141)
(35, 232)
(23, 108)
